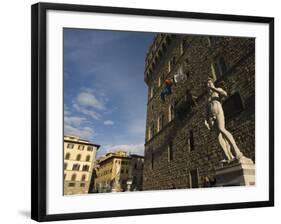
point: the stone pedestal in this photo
(236, 174)
(129, 185)
(116, 187)
(116, 190)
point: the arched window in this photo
(170, 152)
(171, 111)
(160, 122)
(151, 131)
(83, 177)
(85, 168)
(78, 157)
(191, 140)
(172, 63)
(151, 93)
(159, 81)
(73, 177)
(81, 147)
(67, 155)
(88, 158)
(76, 167)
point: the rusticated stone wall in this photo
(183, 152)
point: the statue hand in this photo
(207, 125)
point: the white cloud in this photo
(72, 120)
(88, 104)
(89, 99)
(72, 126)
(83, 132)
(108, 122)
(89, 112)
(130, 149)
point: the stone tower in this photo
(179, 151)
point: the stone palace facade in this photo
(179, 150)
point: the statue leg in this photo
(226, 147)
(227, 135)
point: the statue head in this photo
(210, 81)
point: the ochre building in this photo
(127, 169)
(79, 160)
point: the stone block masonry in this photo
(179, 150)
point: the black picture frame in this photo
(39, 122)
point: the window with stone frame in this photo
(85, 168)
(172, 63)
(64, 166)
(67, 156)
(191, 141)
(170, 152)
(71, 184)
(78, 157)
(152, 160)
(73, 177)
(88, 157)
(81, 147)
(183, 46)
(151, 92)
(76, 167)
(90, 148)
(194, 178)
(171, 111)
(160, 80)
(83, 178)
(70, 145)
(151, 130)
(160, 122)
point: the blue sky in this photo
(104, 92)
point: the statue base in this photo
(235, 174)
(116, 189)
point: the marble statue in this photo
(215, 116)
(116, 183)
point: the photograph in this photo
(149, 111)
(142, 111)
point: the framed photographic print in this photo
(138, 111)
